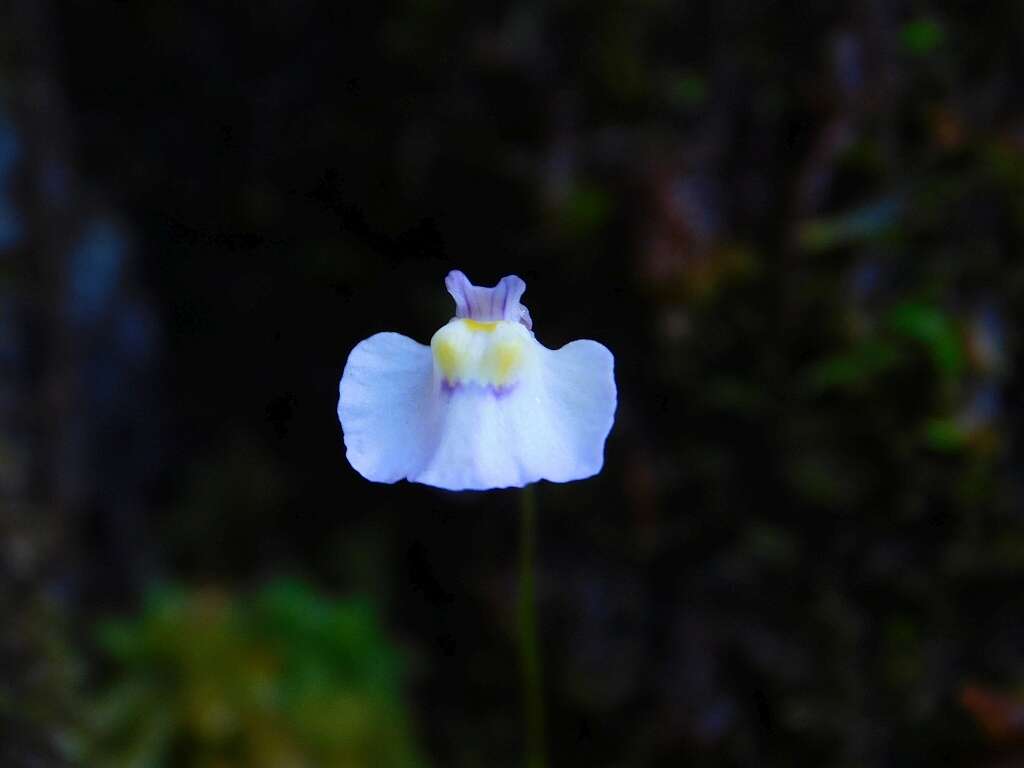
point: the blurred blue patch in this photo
(118, 356)
(715, 719)
(136, 332)
(984, 406)
(10, 147)
(10, 350)
(866, 279)
(56, 182)
(11, 228)
(847, 62)
(96, 264)
(987, 339)
(696, 200)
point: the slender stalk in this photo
(529, 652)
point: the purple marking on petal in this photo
(484, 304)
(449, 388)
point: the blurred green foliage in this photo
(922, 36)
(282, 678)
(908, 326)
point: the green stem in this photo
(528, 649)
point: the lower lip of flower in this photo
(490, 356)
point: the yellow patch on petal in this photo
(503, 361)
(449, 358)
(487, 353)
(481, 326)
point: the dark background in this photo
(796, 225)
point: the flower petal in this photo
(388, 408)
(581, 390)
(551, 426)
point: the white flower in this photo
(484, 406)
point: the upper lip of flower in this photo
(488, 304)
